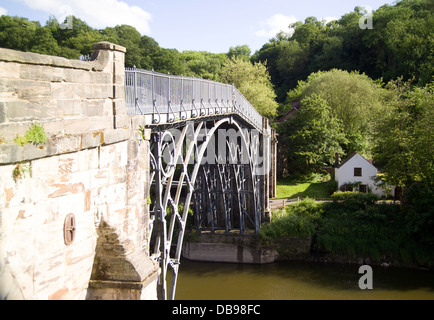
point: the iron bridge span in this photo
(210, 160)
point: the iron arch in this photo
(179, 158)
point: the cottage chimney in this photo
(336, 160)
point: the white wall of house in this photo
(346, 174)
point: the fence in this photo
(167, 98)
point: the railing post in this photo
(135, 88)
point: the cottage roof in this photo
(350, 157)
(291, 114)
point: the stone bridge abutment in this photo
(91, 168)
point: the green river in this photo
(299, 281)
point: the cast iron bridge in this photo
(209, 155)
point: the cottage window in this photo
(357, 172)
(363, 188)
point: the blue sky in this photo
(212, 26)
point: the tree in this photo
(401, 41)
(128, 37)
(168, 61)
(307, 32)
(17, 33)
(404, 143)
(253, 81)
(243, 52)
(203, 64)
(354, 98)
(149, 48)
(313, 137)
(44, 42)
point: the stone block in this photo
(9, 70)
(28, 89)
(69, 107)
(77, 76)
(26, 111)
(62, 91)
(98, 179)
(92, 140)
(108, 107)
(69, 143)
(10, 153)
(6, 175)
(118, 91)
(77, 126)
(82, 90)
(121, 121)
(88, 159)
(93, 108)
(101, 91)
(45, 167)
(115, 135)
(10, 130)
(31, 151)
(8, 87)
(41, 73)
(55, 127)
(68, 163)
(100, 123)
(107, 156)
(2, 112)
(119, 107)
(101, 77)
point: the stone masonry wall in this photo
(92, 166)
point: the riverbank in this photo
(247, 249)
(353, 230)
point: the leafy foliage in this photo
(253, 81)
(404, 143)
(400, 44)
(36, 134)
(355, 99)
(355, 200)
(376, 231)
(313, 137)
(300, 219)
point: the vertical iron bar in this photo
(160, 215)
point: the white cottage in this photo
(356, 170)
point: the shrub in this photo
(355, 200)
(300, 219)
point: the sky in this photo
(199, 25)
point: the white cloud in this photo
(275, 24)
(3, 11)
(96, 13)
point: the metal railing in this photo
(165, 98)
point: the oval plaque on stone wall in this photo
(69, 229)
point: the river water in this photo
(299, 281)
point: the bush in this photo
(300, 219)
(355, 200)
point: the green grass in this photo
(288, 188)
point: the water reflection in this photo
(297, 280)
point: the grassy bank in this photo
(290, 188)
(357, 229)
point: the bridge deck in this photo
(164, 98)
